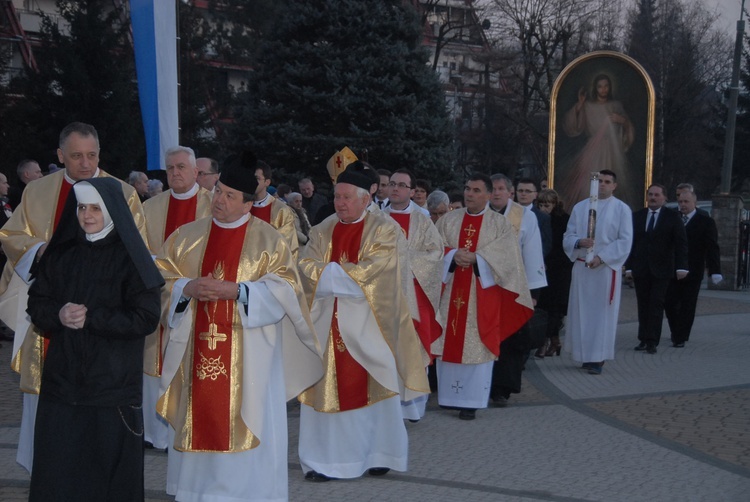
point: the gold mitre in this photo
(338, 162)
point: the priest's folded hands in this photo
(208, 289)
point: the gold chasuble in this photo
(207, 399)
(279, 216)
(423, 259)
(32, 223)
(165, 214)
(354, 378)
(478, 319)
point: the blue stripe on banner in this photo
(154, 40)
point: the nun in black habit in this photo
(95, 296)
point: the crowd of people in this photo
(186, 319)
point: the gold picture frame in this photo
(602, 113)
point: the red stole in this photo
(64, 191)
(498, 314)
(459, 302)
(262, 212)
(179, 212)
(351, 377)
(428, 328)
(211, 370)
(403, 220)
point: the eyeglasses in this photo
(201, 174)
(393, 184)
(525, 190)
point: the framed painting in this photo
(602, 117)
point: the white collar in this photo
(407, 210)
(263, 202)
(480, 213)
(185, 196)
(102, 233)
(364, 213)
(235, 224)
(73, 182)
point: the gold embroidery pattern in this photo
(210, 367)
(218, 272)
(459, 303)
(212, 336)
(337, 339)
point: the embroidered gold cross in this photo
(459, 302)
(213, 336)
(470, 231)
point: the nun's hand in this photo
(73, 315)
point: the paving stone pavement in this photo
(672, 426)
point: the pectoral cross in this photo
(213, 336)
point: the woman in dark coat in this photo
(554, 298)
(95, 296)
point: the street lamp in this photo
(734, 89)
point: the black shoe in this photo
(586, 366)
(499, 402)
(679, 345)
(595, 369)
(651, 349)
(317, 477)
(467, 414)
(378, 471)
(641, 346)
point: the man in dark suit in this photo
(703, 252)
(659, 254)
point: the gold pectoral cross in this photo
(213, 336)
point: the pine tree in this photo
(86, 73)
(346, 73)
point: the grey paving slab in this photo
(651, 428)
(716, 356)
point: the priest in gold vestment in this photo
(422, 266)
(351, 421)
(24, 239)
(270, 209)
(241, 344)
(486, 297)
(184, 202)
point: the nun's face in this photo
(91, 218)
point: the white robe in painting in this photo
(595, 293)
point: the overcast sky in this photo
(730, 13)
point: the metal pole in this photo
(179, 84)
(734, 89)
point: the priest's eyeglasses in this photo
(393, 184)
